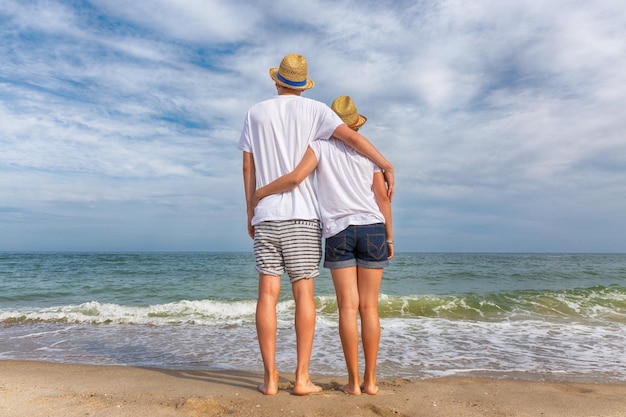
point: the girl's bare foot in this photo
(369, 385)
(350, 390)
(306, 388)
(370, 389)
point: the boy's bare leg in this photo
(369, 287)
(345, 281)
(303, 293)
(269, 291)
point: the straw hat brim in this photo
(359, 123)
(309, 82)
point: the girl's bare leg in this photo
(369, 287)
(345, 281)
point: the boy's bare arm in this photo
(249, 185)
(363, 146)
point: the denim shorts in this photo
(363, 246)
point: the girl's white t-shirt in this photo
(344, 187)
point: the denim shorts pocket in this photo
(335, 248)
(376, 246)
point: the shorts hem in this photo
(372, 264)
(352, 262)
(261, 271)
(294, 280)
(340, 264)
(268, 272)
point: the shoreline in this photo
(59, 390)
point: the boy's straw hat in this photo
(346, 109)
(292, 73)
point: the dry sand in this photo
(59, 390)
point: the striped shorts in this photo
(292, 246)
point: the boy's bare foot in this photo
(267, 390)
(269, 385)
(306, 388)
(350, 390)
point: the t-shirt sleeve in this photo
(329, 121)
(244, 140)
(316, 147)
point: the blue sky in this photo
(119, 120)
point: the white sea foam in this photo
(418, 348)
(199, 312)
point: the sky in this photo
(504, 120)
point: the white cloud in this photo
(501, 118)
(189, 20)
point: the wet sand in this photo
(63, 390)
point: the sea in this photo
(552, 317)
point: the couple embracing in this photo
(284, 140)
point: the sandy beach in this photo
(62, 390)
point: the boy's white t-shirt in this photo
(344, 187)
(277, 132)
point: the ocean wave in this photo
(594, 303)
(598, 303)
(93, 312)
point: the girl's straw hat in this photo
(346, 110)
(292, 73)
